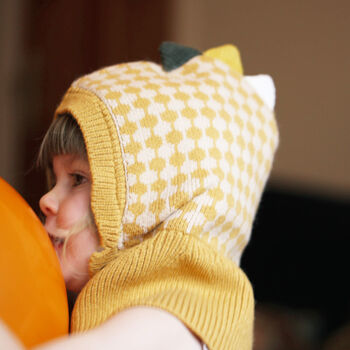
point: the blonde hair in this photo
(63, 137)
(82, 224)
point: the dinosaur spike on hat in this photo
(174, 55)
(228, 54)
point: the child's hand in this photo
(135, 328)
(8, 340)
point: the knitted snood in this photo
(179, 156)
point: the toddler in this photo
(155, 175)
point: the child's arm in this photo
(135, 328)
(7, 339)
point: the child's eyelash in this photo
(78, 179)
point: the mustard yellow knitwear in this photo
(179, 160)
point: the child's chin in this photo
(59, 250)
(73, 284)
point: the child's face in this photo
(66, 207)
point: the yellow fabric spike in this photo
(228, 54)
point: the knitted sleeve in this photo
(182, 275)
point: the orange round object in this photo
(33, 299)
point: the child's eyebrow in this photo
(80, 163)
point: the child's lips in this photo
(56, 241)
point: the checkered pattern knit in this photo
(179, 160)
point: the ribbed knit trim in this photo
(175, 272)
(108, 180)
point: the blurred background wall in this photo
(297, 258)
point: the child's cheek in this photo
(73, 210)
(79, 250)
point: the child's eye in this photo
(78, 179)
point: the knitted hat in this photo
(179, 155)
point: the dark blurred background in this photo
(298, 256)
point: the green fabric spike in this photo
(174, 55)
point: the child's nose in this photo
(49, 204)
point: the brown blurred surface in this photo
(339, 340)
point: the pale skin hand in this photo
(7, 339)
(133, 329)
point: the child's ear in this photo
(264, 87)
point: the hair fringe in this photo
(63, 137)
